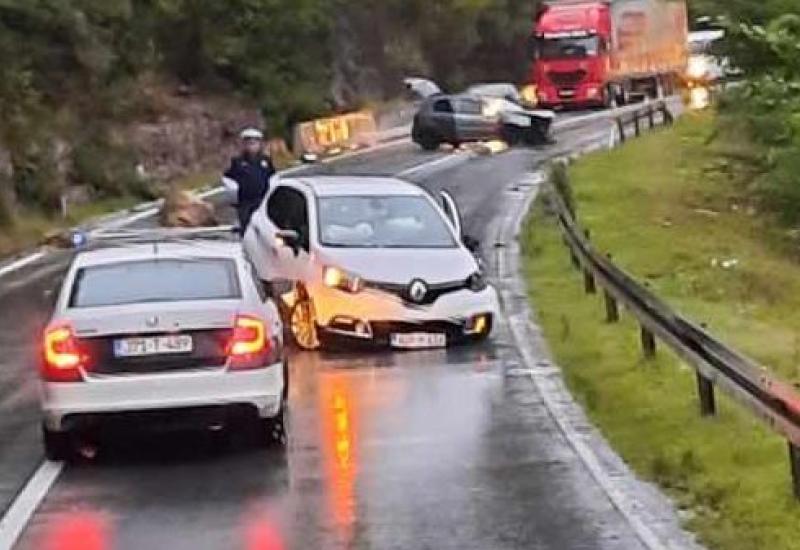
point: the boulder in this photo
(184, 209)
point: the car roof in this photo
(329, 186)
(492, 88)
(185, 249)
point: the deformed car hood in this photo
(402, 265)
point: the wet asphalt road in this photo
(426, 450)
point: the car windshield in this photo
(382, 222)
(568, 47)
(155, 281)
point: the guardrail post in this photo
(588, 282)
(668, 118)
(574, 257)
(705, 390)
(621, 128)
(612, 309)
(794, 464)
(636, 124)
(651, 116)
(648, 343)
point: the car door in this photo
(443, 116)
(286, 209)
(453, 213)
(471, 123)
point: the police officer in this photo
(251, 171)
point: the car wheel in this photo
(57, 445)
(303, 325)
(610, 98)
(274, 431)
(428, 142)
(511, 135)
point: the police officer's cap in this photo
(251, 133)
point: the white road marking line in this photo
(19, 264)
(459, 157)
(520, 326)
(15, 520)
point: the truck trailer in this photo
(590, 53)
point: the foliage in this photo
(682, 219)
(455, 42)
(72, 69)
(764, 42)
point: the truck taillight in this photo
(250, 343)
(62, 355)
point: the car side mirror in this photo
(472, 244)
(289, 238)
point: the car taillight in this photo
(250, 343)
(62, 355)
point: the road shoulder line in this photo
(16, 519)
(650, 514)
(18, 264)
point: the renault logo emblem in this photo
(417, 291)
(152, 322)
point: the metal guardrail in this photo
(774, 401)
(630, 114)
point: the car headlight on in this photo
(698, 67)
(492, 107)
(477, 282)
(333, 277)
(529, 94)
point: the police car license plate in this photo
(156, 345)
(419, 340)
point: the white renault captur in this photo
(372, 259)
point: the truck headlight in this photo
(333, 277)
(698, 67)
(477, 282)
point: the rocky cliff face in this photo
(194, 134)
(182, 134)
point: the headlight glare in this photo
(333, 277)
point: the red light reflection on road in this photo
(261, 533)
(78, 531)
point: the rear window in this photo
(150, 281)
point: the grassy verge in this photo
(671, 213)
(32, 226)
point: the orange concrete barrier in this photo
(324, 135)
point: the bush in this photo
(767, 105)
(110, 170)
(6, 210)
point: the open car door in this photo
(453, 213)
(422, 87)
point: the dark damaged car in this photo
(475, 115)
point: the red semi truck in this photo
(607, 52)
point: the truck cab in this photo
(592, 53)
(570, 48)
